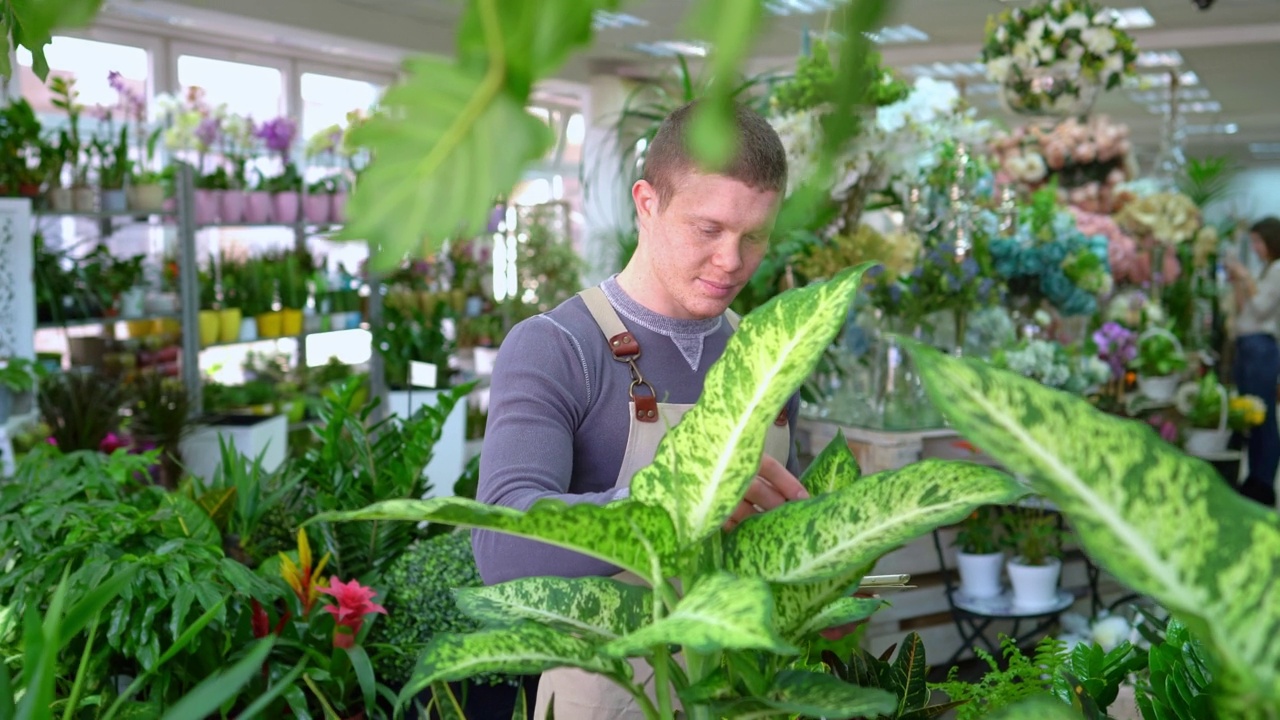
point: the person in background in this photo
(1257, 355)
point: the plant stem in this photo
(83, 670)
(662, 680)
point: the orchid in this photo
(1117, 346)
(354, 604)
(278, 134)
(306, 582)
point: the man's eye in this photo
(709, 230)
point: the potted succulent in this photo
(17, 375)
(286, 188)
(1159, 362)
(980, 557)
(1036, 565)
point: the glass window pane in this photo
(253, 90)
(88, 62)
(326, 100)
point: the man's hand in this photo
(772, 486)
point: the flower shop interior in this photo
(258, 260)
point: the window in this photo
(253, 90)
(326, 100)
(88, 62)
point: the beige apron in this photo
(580, 695)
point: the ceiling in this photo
(1233, 48)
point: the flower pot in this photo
(1158, 389)
(980, 574)
(285, 207)
(84, 199)
(231, 207)
(229, 325)
(140, 328)
(206, 207)
(338, 211)
(317, 208)
(210, 325)
(353, 320)
(29, 190)
(1204, 443)
(290, 322)
(257, 207)
(114, 200)
(311, 322)
(270, 324)
(146, 198)
(60, 199)
(133, 303)
(248, 329)
(1034, 586)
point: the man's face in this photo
(705, 244)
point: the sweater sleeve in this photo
(538, 397)
(1266, 301)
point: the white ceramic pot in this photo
(980, 574)
(248, 329)
(84, 199)
(114, 201)
(1034, 586)
(133, 303)
(60, 199)
(1204, 443)
(1159, 389)
(146, 198)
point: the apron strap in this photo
(625, 348)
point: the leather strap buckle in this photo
(624, 347)
(646, 405)
(782, 418)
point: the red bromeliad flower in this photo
(355, 601)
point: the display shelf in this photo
(105, 214)
(299, 338)
(304, 226)
(88, 322)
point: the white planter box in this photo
(450, 456)
(252, 436)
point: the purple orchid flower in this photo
(278, 134)
(208, 132)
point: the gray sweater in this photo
(558, 418)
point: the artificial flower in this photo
(307, 583)
(355, 602)
(1168, 217)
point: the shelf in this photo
(299, 338)
(104, 215)
(86, 322)
(310, 227)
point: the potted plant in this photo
(1159, 362)
(237, 140)
(980, 558)
(17, 375)
(114, 167)
(53, 156)
(80, 408)
(124, 279)
(210, 320)
(254, 299)
(161, 418)
(293, 295)
(285, 188)
(65, 98)
(19, 134)
(228, 302)
(1036, 565)
(318, 203)
(263, 275)
(1205, 404)
(209, 190)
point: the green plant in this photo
(114, 165)
(980, 532)
(162, 414)
(1181, 674)
(904, 676)
(1205, 406)
(80, 408)
(1207, 180)
(66, 99)
(1158, 356)
(1033, 535)
(1089, 679)
(1021, 678)
(240, 496)
(31, 25)
(1161, 522)
(744, 599)
(17, 374)
(407, 335)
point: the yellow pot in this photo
(168, 326)
(291, 322)
(140, 328)
(208, 327)
(270, 324)
(229, 325)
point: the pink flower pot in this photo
(206, 207)
(257, 207)
(231, 206)
(316, 208)
(338, 211)
(285, 207)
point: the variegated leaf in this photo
(706, 462)
(842, 612)
(622, 533)
(834, 469)
(1037, 708)
(524, 649)
(720, 613)
(810, 694)
(593, 608)
(1162, 522)
(796, 604)
(831, 535)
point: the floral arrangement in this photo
(1089, 159)
(1245, 412)
(1117, 346)
(1131, 261)
(1168, 217)
(938, 282)
(896, 250)
(1135, 310)
(1050, 364)
(1201, 403)
(1072, 38)
(1159, 356)
(278, 135)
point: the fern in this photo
(1025, 677)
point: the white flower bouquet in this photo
(1049, 55)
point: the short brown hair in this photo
(760, 161)
(1268, 229)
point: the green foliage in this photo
(1207, 180)
(1089, 679)
(833, 470)
(1023, 677)
(17, 374)
(1181, 676)
(80, 408)
(904, 677)
(30, 24)
(1159, 355)
(980, 532)
(1033, 535)
(1160, 521)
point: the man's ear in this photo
(646, 200)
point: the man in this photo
(581, 395)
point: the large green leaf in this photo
(594, 608)
(446, 142)
(831, 535)
(31, 24)
(810, 694)
(720, 613)
(524, 649)
(622, 533)
(908, 672)
(1162, 522)
(798, 603)
(834, 469)
(706, 462)
(842, 612)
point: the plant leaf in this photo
(720, 613)
(524, 649)
(1037, 708)
(445, 703)
(730, 26)
(594, 608)
(620, 533)
(447, 143)
(1162, 522)
(909, 670)
(822, 695)
(706, 462)
(834, 469)
(797, 603)
(853, 527)
(843, 611)
(181, 517)
(205, 698)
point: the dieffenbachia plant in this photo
(736, 605)
(30, 24)
(1162, 522)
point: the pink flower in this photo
(355, 601)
